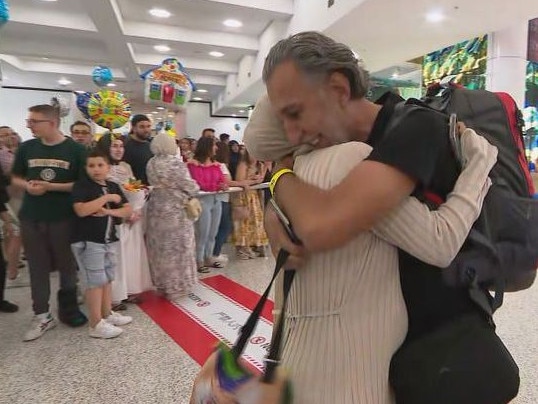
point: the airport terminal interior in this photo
(158, 109)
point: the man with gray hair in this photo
(317, 90)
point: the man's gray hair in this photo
(163, 145)
(318, 55)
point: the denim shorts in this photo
(96, 262)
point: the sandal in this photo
(216, 264)
(243, 255)
(119, 307)
(133, 299)
(203, 270)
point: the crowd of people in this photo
(69, 197)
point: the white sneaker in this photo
(222, 258)
(118, 319)
(105, 330)
(40, 324)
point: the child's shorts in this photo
(96, 263)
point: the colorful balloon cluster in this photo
(109, 109)
(4, 12)
(168, 85)
(83, 100)
(102, 75)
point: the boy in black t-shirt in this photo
(99, 205)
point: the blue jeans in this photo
(225, 228)
(207, 227)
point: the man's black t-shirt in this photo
(137, 155)
(94, 228)
(420, 147)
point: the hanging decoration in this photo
(168, 85)
(109, 109)
(82, 103)
(62, 104)
(4, 12)
(102, 75)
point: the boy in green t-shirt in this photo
(46, 168)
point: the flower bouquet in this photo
(136, 193)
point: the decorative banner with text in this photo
(214, 311)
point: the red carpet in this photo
(215, 310)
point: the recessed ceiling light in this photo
(154, 112)
(111, 85)
(162, 48)
(241, 111)
(160, 108)
(45, 58)
(160, 13)
(49, 0)
(233, 23)
(201, 90)
(435, 16)
(216, 54)
(197, 99)
(234, 115)
(64, 82)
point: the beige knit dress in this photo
(346, 315)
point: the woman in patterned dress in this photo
(248, 231)
(170, 233)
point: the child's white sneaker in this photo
(105, 330)
(118, 319)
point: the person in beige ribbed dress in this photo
(346, 316)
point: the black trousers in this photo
(48, 248)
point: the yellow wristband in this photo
(276, 176)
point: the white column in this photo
(507, 61)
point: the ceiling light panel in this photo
(162, 48)
(160, 13)
(231, 23)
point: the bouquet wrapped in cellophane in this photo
(136, 193)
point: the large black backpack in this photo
(501, 252)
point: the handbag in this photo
(193, 208)
(462, 362)
(224, 379)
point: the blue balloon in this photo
(4, 12)
(102, 75)
(82, 103)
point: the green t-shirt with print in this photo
(60, 163)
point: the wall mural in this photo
(467, 60)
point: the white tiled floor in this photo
(145, 366)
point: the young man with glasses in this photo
(46, 168)
(81, 133)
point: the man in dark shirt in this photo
(137, 148)
(317, 88)
(46, 168)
